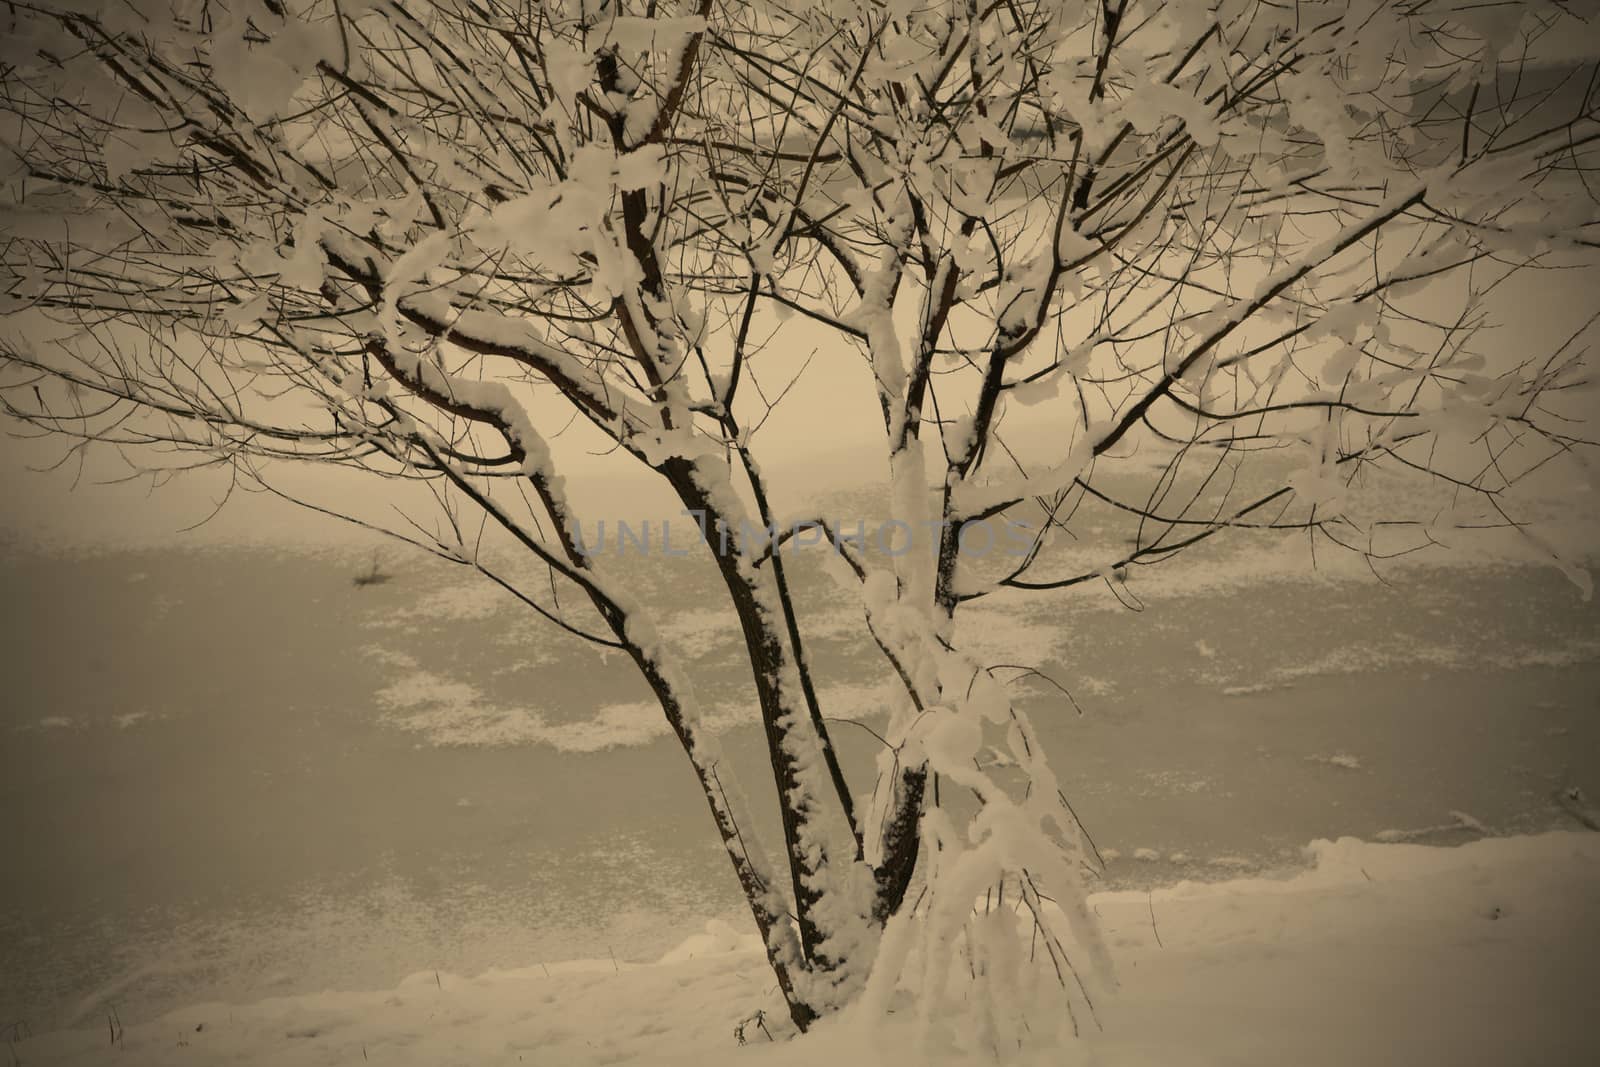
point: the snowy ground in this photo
(1378, 954)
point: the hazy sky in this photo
(826, 432)
(819, 436)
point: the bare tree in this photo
(418, 239)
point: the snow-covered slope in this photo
(1379, 954)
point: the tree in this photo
(419, 239)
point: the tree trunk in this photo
(828, 876)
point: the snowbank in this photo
(1378, 954)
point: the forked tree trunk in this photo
(821, 844)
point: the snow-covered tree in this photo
(419, 239)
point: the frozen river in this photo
(232, 773)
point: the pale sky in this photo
(826, 433)
(822, 435)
